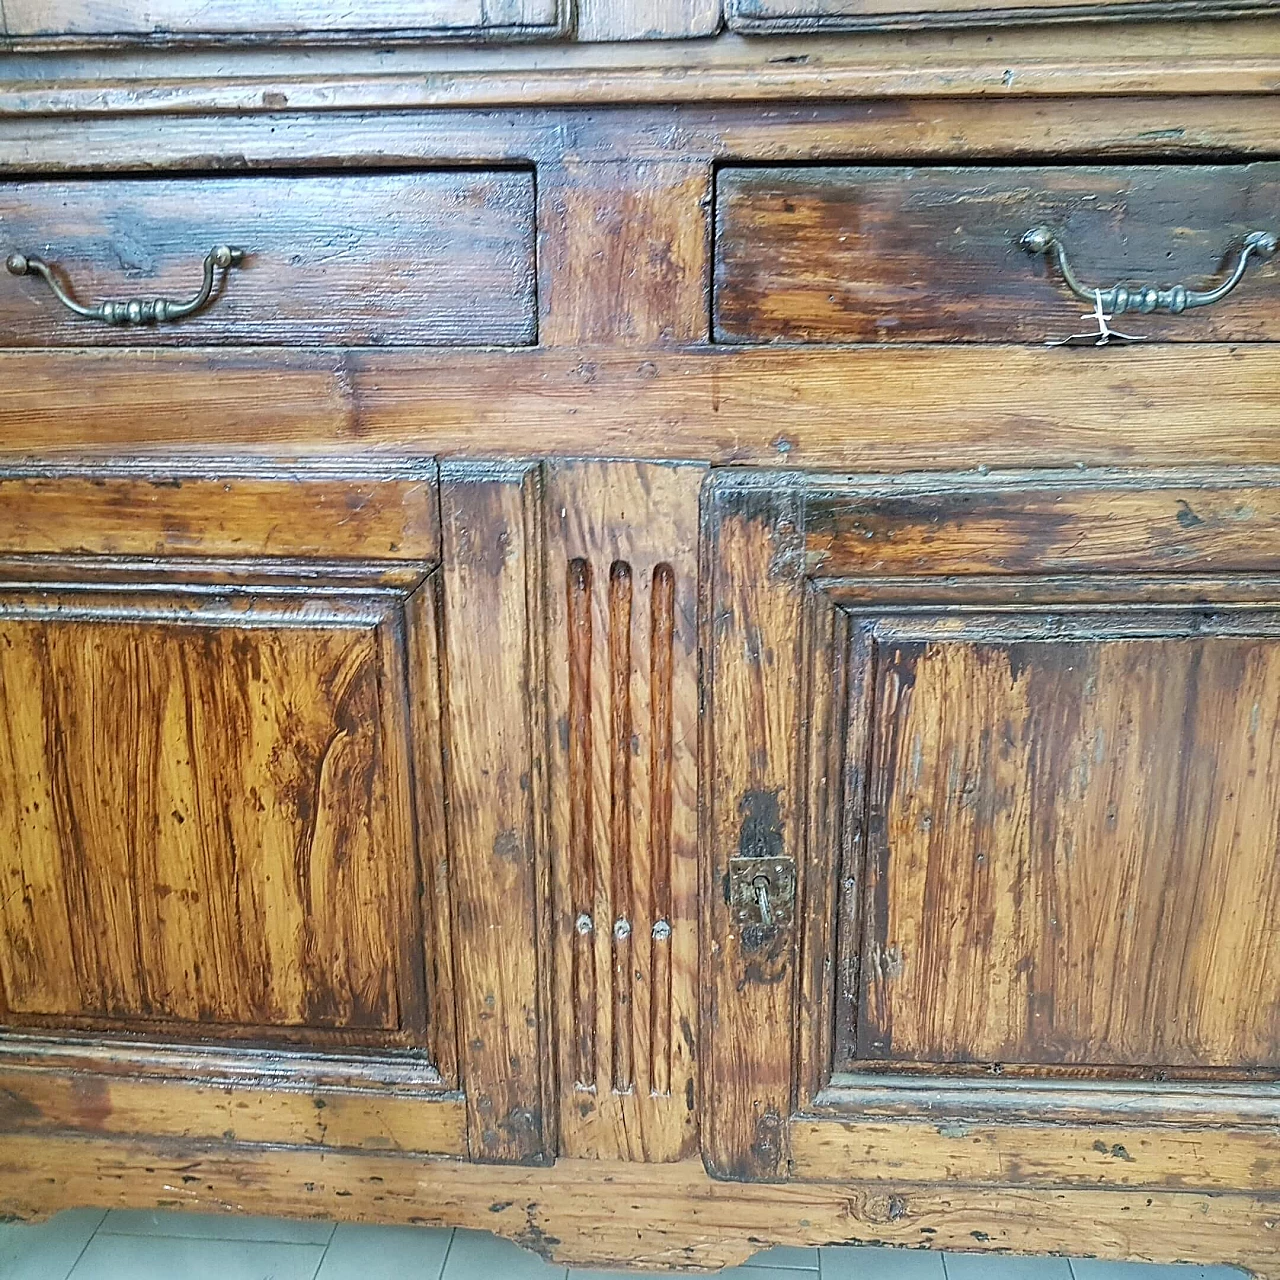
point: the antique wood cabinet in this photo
(651, 627)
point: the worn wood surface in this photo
(654, 1216)
(623, 707)
(871, 409)
(363, 259)
(762, 17)
(170, 20)
(910, 255)
(646, 19)
(754, 770)
(1064, 523)
(1078, 833)
(624, 253)
(140, 886)
(958, 1153)
(494, 741)
(159, 508)
(46, 1101)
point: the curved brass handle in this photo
(1147, 298)
(133, 310)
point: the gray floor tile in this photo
(1093, 1269)
(46, 1250)
(166, 1257)
(214, 1226)
(786, 1256)
(997, 1266)
(359, 1252)
(865, 1263)
(480, 1255)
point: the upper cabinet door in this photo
(994, 805)
(764, 17)
(177, 21)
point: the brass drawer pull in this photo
(133, 310)
(1147, 298)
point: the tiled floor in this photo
(84, 1245)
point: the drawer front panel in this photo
(767, 17)
(174, 19)
(934, 255)
(432, 258)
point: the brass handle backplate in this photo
(131, 310)
(1147, 298)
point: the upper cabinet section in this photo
(854, 254)
(175, 22)
(128, 21)
(771, 17)
(442, 258)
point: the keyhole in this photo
(761, 884)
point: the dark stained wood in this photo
(434, 258)
(623, 712)
(171, 21)
(495, 744)
(208, 816)
(911, 255)
(1071, 850)
(766, 17)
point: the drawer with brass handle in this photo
(851, 254)
(367, 259)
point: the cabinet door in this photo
(994, 804)
(222, 795)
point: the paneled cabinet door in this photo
(994, 777)
(225, 908)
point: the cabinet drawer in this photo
(937, 255)
(174, 20)
(768, 17)
(431, 258)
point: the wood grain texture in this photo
(443, 258)
(871, 409)
(910, 255)
(624, 256)
(47, 1102)
(765, 17)
(209, 820)
(754, 766)
(1077, 833)
(647, 19)
(1041, 1155)
(623, 708)
(1123, 522)
(170, 20)
(656, 1216)
(494, 743)
(159, 508)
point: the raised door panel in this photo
(208, 818)
(1071, 846)
(998, 751)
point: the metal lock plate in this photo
(776, 878)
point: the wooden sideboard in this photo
(594, 645)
